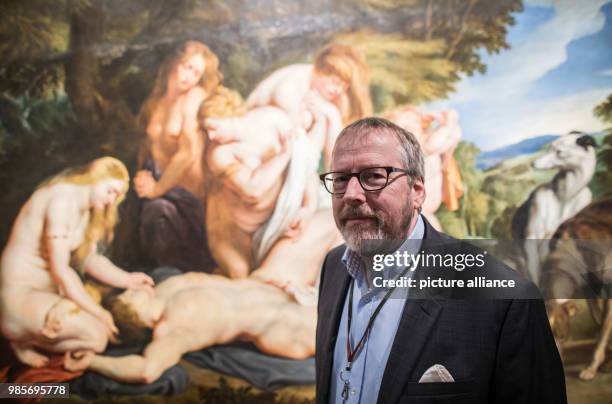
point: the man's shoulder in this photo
(334, 256)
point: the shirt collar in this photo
(355, 265)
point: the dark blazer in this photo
(498, 351)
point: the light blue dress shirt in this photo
(368, 368)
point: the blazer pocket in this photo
(463, 388)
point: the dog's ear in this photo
(585, 141)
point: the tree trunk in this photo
(428, 20)
(463, 28)
(81, 66)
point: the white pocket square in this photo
(436, 374)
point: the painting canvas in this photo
(164, 220)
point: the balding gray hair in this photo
(411, 149)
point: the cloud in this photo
(495, 108)
(511, 73)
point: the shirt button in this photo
(353, 392)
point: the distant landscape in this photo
(487, 159)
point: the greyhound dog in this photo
(581, 260)
(553, 202)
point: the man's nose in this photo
(354, 191)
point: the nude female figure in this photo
(227, 310)
(54, 239)
(171, 178)
(248, 157)
(438, 134)
(337, 82)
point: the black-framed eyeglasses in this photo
(371, 179)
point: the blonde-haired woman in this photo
(336, 86)
(171, 178)
(53, 243)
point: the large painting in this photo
(164, 223)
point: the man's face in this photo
(139, 300)
(384, 214)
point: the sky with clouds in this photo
(559, 67)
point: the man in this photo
(193, 311)
(422, 350)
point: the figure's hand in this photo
(296, 227)
(138, 280)
(111, 328)
(78, 361)
(145, 185)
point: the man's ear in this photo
(418, 193)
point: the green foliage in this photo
(601, 184)
(465, 26)
(491, 197)
(603, 111)
(452, 223)
(474, 207)
(404, 71)
(39, 28)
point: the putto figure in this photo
(55, 240)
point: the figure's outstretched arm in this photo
(108, 273)
(251, 184)
(159, 355)
(57, 234)
(285, 89)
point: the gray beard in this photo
(368, 242)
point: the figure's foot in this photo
(29, 356)
(588, 373)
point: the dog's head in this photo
(568, 151)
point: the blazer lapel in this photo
(336, 287)
(417, 321)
